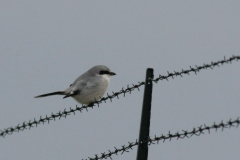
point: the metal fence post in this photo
(142, 152)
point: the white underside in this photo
(93, 91)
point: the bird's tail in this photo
(51, 94)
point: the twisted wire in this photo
(31, 123)
(179, 135)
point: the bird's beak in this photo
(112, 73)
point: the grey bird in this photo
(89, 87)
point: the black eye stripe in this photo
(103, 72)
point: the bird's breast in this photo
(93, 90)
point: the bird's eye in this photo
(103, 72)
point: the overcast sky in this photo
(45, 45)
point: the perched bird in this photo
(88, 87)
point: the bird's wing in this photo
(75, 88)
(72, 93)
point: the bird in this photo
(87, 88)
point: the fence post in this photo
(142, 152)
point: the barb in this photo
(30, 124)
(184, 134)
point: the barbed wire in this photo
(179, 135)
(31, 123)
(198, 68)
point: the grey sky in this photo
(46, 45)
